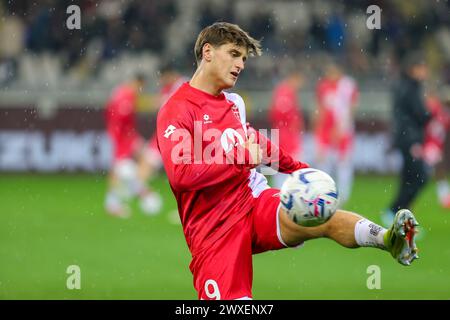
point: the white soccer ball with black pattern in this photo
(309, 196)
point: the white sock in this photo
(442, 189)
(138, 187)
(369, 234)
(113, 200)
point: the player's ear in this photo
(207, 52)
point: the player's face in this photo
(227, 62)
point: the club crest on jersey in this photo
(230, 138)
(236, 113)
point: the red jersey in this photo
(120, 120)
(212, 195)
(285, 115)
(165, 93)
(435, 131)
(336, 100)
(169, 89)
(120, 111)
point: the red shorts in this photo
(125, 146)
(343, 146)
(224, 270)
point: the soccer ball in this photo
(309, 197)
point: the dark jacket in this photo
(410, 114)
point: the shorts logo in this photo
(170, 129)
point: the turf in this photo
(49, 222)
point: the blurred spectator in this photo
(212, 12)
(115, 27)
(11, 45)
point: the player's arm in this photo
(185, 173)
(273, 156)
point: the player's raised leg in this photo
(352, 231)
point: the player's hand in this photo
(254, 150)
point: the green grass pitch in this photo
(49, 222)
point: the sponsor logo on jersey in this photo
(206, 119)
(170, 129)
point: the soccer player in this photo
(337, 98)
(227, 209)
(125, 178)
(285, 114)
(436, 142)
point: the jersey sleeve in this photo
(175, 134)
(274, 156)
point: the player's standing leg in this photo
(117, 193)
(148, 163)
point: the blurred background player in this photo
(285, 114)
(169, 81)
(436, 146)
(410, 118)
(126, 177)
(337, 97)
